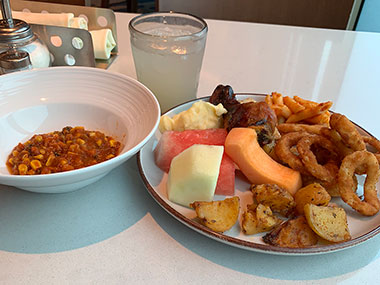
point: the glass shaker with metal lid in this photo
(16, 36)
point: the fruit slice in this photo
(172, 143)
(193, 174)
(242, 146)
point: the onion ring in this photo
(310, 161)
(375, 143)
(283, 150)
(348, 132)
(335, 138)
(371, 204)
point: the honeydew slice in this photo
(194, 173)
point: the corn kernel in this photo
(112, 143)
(15, 153)
(22, 169)
(92, 134)
(109, 156)
(40, 156)
(35, 164)
(63, 162)
(42, 151)
(99, 142)
(50, 160)
(69, 142)
(39, 138)
(80, 141)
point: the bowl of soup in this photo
(63, 128)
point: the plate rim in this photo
(239, 243)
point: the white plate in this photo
(361, 228)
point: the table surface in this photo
(113, 231)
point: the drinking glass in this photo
(168, 50)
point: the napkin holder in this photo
(68, 53)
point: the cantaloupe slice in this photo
(242, 146)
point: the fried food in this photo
(284, 153)
(309, 113)
(298, 110)
(313, 193)
(347, 188)
(293, 127)
(330, 223)
(335, 138)
(219, 216)
(278, 199)
(258, 220)
(294, 233)
(323, 172)
(375, 143)
(348, 132)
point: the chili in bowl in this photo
(66, 127)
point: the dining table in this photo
(114, 232)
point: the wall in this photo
(369, 19)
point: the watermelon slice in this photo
(173, 142)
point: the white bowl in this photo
(45, 100)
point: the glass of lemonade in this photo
(168, 50)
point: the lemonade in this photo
(168, 58)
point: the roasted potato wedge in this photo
(330, 223)
(313, 193)
(294, 233)
(219, 216)
(278, 199)
(259, 220)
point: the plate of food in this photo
(266, 173)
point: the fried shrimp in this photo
(375, 143)
(347, 187)
(284, 153)
(348, 132)
(326, 172)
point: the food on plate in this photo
(219, 216)
(313, 193)
(294, 233)
(259, 168)
(172, 143)
(69, 149)
(371, 204)
(373, 142)
(298, 110)
(278, 199)
(327, 171)
(193, 174)
(336, 139)
(295, 127)
(330, 223)
(256, 115)
(200, 116)
(258, 220)
(286, 154)
(348, 132)
(324, 153)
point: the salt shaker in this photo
(17, 35)
(14, 60)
